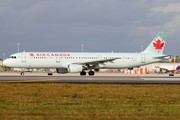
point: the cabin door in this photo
(99, 57)
(143, 58)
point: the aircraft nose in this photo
(6, 63)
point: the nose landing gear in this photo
(22, 73)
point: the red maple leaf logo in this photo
(31, 55)
(158, 45)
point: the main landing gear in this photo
(84, 73)
(91, 72)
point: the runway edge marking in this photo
(31, 80)
(162, 79)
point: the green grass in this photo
(89, 101)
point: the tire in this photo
(171, 74)
(82, 73)
(22, 73)
(91, 73)
(50, 73)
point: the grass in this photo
(89, 101)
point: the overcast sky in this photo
(101, 25)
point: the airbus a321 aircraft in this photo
(73, 62)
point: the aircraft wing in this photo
(96, 62)
(163, 56)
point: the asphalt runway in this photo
(99, 78)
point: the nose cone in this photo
(6, 63)
(10, 63)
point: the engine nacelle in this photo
(96, 70)
(61, 70)
(130, 68)
(75, 68)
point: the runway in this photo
(99, 78)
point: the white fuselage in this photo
(62, 60)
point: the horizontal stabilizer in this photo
(163, 56)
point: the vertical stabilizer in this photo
(158, 43)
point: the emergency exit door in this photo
(57, 59)
(23, 57)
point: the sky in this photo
(100, 25)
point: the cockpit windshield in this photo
(13, 57)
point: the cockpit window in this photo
(13, 57)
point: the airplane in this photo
(74, 62)
(165, 68)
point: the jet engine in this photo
(96, 70)
(61, 70)
(130, 68)
(75, 68)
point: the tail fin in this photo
(158, 43)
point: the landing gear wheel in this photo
(82, 73)
(22, 73)
(91, 73)
(171, 74)
(50, 73)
